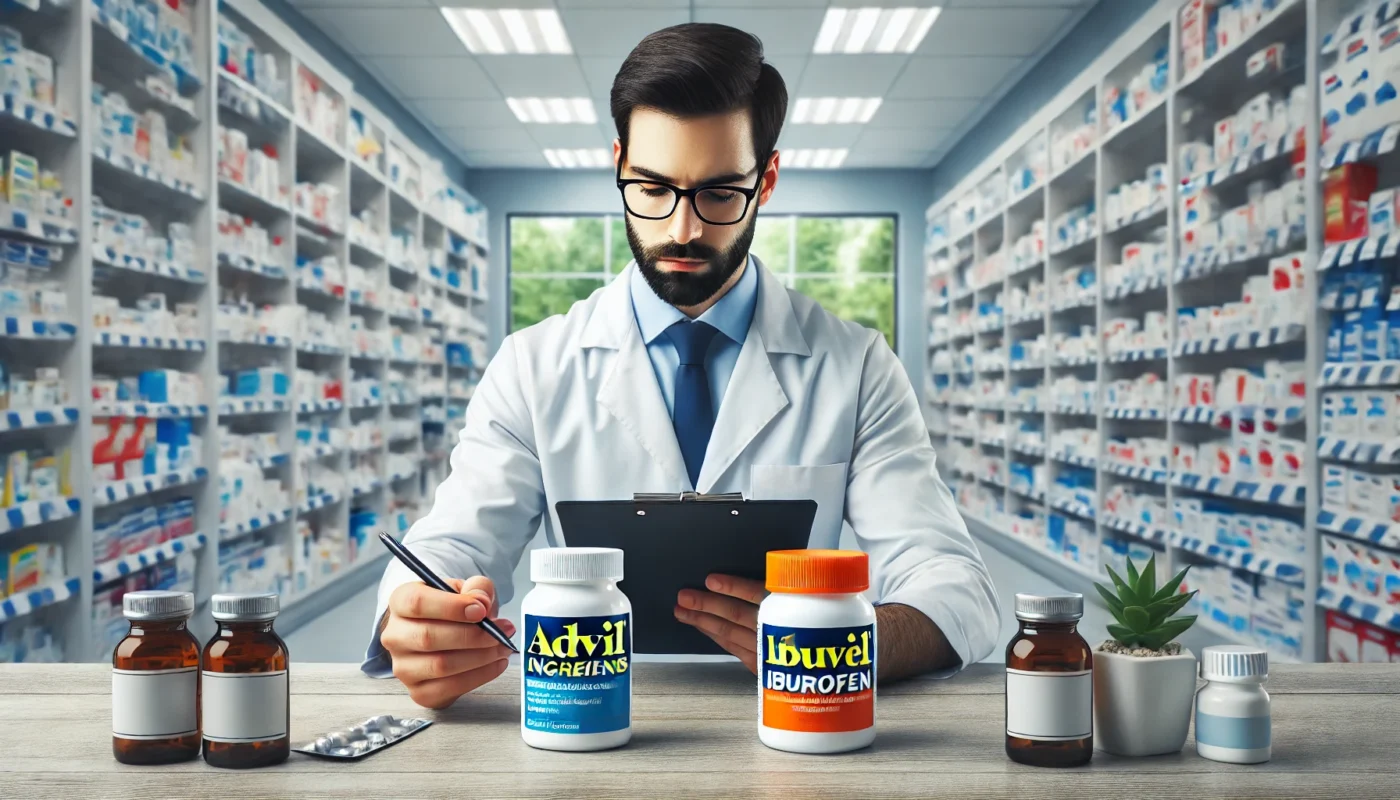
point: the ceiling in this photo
(975, 51)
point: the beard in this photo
(686, 289)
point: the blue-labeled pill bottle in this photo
(1233, 722)
(576, 668)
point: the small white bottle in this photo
(816, 653)
(576, 664)
(1233, 722)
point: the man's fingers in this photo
(729, 635)
(443, 692)
(481, 585)
(420, 601)
(432, 636)
(416, 668)
(737, 611)
(750, 591)
(749, 658)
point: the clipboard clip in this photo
(687, 497)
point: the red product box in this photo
(1375, 645)
(1343, 638)
(1346, 197)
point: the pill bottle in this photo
(576, 682)
(816, 653)
(1049, 684)
(1233, 722)
(155, 681)
(246, 708)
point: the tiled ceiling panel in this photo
(937, 77)
(973, 54)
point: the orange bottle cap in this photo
(818, 571)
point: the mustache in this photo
(689, 250)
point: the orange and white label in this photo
(817, 680)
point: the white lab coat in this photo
(817, 408)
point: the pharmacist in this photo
(696, 369)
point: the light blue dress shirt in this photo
(731, 316)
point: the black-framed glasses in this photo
(714, 205)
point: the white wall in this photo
(903, 193)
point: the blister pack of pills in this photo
(364, 738)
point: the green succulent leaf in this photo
(1142, 610)
(1171, 586)
(1114, 604)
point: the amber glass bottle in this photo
(246, 711)
(1049, 684)
(155, 681)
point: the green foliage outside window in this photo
(844, 263)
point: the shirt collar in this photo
(732, 315)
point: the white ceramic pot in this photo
(1142, 706)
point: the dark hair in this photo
(700, 69)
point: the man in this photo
(695, 369)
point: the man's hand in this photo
(438, 651)
(727, 613)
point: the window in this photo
(845, 263)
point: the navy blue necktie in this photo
(693, 416)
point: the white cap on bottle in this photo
(1234, 662)
(575, 564)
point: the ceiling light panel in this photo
(819, 158)
(553, 110)
(499, 31)
(580, 158)
(874, 30)
(834, 110)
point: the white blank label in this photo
(245, 706)
(154, 705)
(1053, 706)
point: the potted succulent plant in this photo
(1144, 682)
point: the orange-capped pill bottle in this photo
(816, 653)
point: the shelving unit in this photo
(445, 228)
(1086, 163)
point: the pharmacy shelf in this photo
(1267, 492)
(1073, 507)
(1135, 287)
(150, 410)
(234, 407)
(27, 602)
(1360, 374)
(1148, 533)
(255, 524)
(1376, 143)
(1208, 262)
(89, 44)
(1385, 533)
(1144, 354)
(252, 267)
(1241, 559)
(319, 407)
(108, 571)
(105, 494)
(1036, 450)
(321, 451)
(109, 257)
(269, 462)
(37, 512)
(1241, 341)
(1221, 631)
(1363, 608)
(1145, 474)
(1359, 451)
(1135, 413)
(1194, 414)
(318, 502)
(106, 339)
(32, 418)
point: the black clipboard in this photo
(671, 542)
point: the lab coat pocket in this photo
(825, 484)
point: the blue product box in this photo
(1352, 334)
(1392, 335)
(154, 386)
(173, 432)
(1375, 334)
(1335, 332)
(1374, 288)
(247, 383)
(1055, 534)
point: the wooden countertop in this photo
(1335, 732)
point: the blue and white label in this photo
(578, 675)
(1237, 733)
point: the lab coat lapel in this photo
(629, 391)
(754, 396)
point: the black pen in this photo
(429, 577)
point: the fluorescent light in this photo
(508, 30)
(802, 111)
(861, 30)
(519, 32)
(553, 110)
(895, 29)
(838, 110)
(874, 30)
(555, 40)
(831, 28)
(821, 158)
(579, 158)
